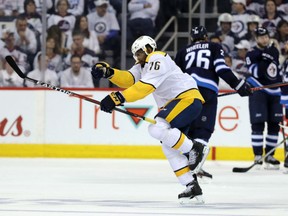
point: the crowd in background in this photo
(79, 32)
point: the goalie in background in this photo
(178, 99)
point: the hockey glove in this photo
(111, 101)
(243, 88)
(102, 70)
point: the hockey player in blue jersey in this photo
(204, 61)
(264, 105)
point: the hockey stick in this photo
(245, 169)
(15, 67)
(257, 88)
(285, 144)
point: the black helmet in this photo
(198, 33)
(260, 31)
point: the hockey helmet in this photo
(260, 31)
(198, 33)
(141, 43)
(225, 17)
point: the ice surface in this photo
(76, 187)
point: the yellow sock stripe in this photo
(179, 142)
(182, 171)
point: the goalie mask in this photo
(141, 43)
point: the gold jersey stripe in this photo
(122, 78)
(138, 91)
(179, 142)
(182, 171)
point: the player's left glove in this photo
(111, 101)
(243, 88)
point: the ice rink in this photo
(66, 187)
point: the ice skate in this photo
(192, 194)
(197, 156)
(258, 162)
(271, 163)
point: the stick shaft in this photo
(245, 169)
(13, 64)
(257, 88)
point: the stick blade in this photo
(240, 170)
(10, 60)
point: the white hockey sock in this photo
(179, 164)
(177, 140)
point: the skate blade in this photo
(205, 154)
(271, 167)
(197, 200)
(285, 170)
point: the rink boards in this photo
(45, 123)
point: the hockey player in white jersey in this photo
(178, 99)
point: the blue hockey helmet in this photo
(198, 33)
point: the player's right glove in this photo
(102, 70)
(111, 101)
(243, 88)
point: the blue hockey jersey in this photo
(204, 61)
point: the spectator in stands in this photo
(62, 40)
(32, 16)
(107, 28)
(282, 7)
(256, 7)
(88, 56)
(239, 62)
(76, 7)
(271, 17)
(9, 78)
(252, 24)
(240, 17)
(64, 20)
(10, 48)
(90, 37)
(227, 37)
(76, 75)
(114, 6)
(25, 38)
(215, 39)
(53, 54)
(142, 15)
(34, 20)
(10, 7)
(282, 35)
(42, 73)
(38, 4)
